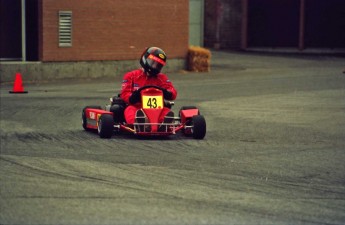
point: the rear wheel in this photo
(198, 127)
(105, 126)
(83, 115)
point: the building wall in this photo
(273, 24)
(196, 22)
(223, 23)
(10, 30)
(115, 29)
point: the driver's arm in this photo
(126, 89)
(167, 84)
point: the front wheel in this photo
(198, 127)
(105, 126)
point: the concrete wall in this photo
(196, 22)
(51, 71)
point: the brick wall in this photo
(115, 29)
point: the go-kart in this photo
(110, 120)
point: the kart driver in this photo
(152, 61)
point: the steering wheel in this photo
(150, 86)
(166, 102)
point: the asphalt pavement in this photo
(274, 150)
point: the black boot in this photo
(167, 122)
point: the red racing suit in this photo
(136, 79)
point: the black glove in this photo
(135, 97)
(167, 94)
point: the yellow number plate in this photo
(152, 102)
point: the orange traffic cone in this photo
(18, 85)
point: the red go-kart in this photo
(111, 119)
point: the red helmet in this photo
(152, 60)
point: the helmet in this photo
(152, 60)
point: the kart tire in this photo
(105, 126)
(198, 127)
(83, 116)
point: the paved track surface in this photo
(274, 151)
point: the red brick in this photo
(115, 29)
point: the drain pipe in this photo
(23, 32)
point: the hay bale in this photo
(199, 59)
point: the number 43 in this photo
(152, 103)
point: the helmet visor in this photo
(154, 62)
